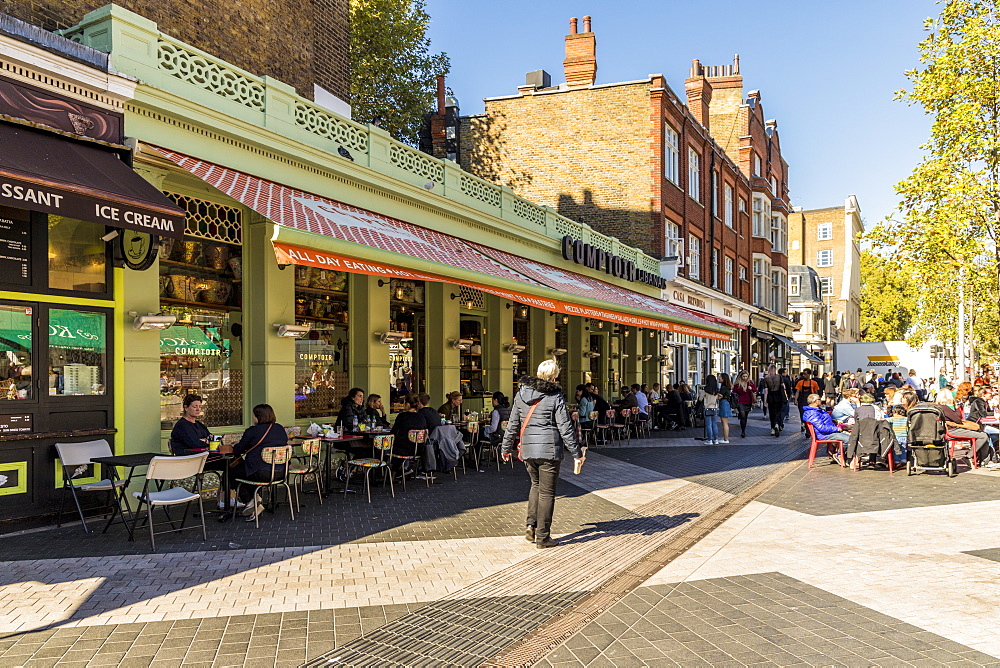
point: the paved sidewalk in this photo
(438, 576)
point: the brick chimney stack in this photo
(699, 93)
(580, 65)
(437, 122)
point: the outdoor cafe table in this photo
(130, 462)
(330, 446)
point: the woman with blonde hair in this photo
(540, 419)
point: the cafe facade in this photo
(305, 255)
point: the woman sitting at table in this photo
(189, 435)
(585, 405)
(352, 409)
(452, 408)
(500, 414)
(411, 418)
(265, 433)
(375, 409)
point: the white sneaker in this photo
(709, 442)
(722, 442)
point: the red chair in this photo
(814, 444)
(955, 441)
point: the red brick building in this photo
(673, 177)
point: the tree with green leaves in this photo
(949, 226)
(888, 302)
(393, 72)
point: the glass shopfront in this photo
(408, 317)
(521, 337)
(322, 358)
(201, 283)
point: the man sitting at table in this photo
(265, 433)
(190, 435)
(432, 419)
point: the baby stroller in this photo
(925, 436)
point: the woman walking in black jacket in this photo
(540, 418)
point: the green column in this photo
(442, 324)
(138, 392)
(578, 340)
(369, 313)
(497, 360)
(631, 365)
(268, 299)
(543, 338)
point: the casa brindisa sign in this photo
(590, 256)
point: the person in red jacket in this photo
(745, 392)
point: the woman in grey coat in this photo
(540, 418)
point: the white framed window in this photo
(759, 289)
(715, 194)
(774, 186)
(673, 244)
(729, 276)
(727, 205)
(743, 274)
(694, 257)
(743, 205)
(761, 217)
(824, 231)
(756, 165)
(793, 285)
(671, 154)
(824, 258)
(779, 291)
(826, 286)
(779, 233)
(694, 175)
(715, 268)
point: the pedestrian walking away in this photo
(542, 422)
(775, 397)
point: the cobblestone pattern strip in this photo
(580, 565)
(765, 619)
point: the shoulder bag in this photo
(239, 458)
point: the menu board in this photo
(14, 424)
(15, 246)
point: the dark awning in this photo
(44, 172)
(800, 349)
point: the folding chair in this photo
(309, 463)
(814, 444)
(172, 469)
(275, 456)
(417, 437)
(75, 459)
(383, 444)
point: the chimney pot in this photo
(440, 94)
(586, 24)
(572, 26)
(580, 65)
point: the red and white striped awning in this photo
(500, 273)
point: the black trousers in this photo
(542, 498)
(774, 407)
(247, 491)
(743, 410)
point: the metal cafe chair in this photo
(75, 459)
(172, 469)
(309, 463)
(417, 437)
(368, 464)
(275, 456)
(604, 431)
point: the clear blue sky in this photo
(826, 71)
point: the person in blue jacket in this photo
(824, 426)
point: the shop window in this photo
(77, 255)
(470, 356)
(322, 358)
(77, 353)
(16, 348)
(406, 358)
(201, 282)
(522, 325)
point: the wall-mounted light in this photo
(652, 334)
(382, 283)
(600, 324)
(390, 337)
(627, 332)
(592, 354)
(565, 320)
(292, 331)
(557, 352)
(645, 358)
(157, 321)
(524, 311)
(624, 355)
(461, 344)
(515, 348)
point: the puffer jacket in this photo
(550, 427)
(821, 421)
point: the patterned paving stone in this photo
(766, 619)
(831, 490)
